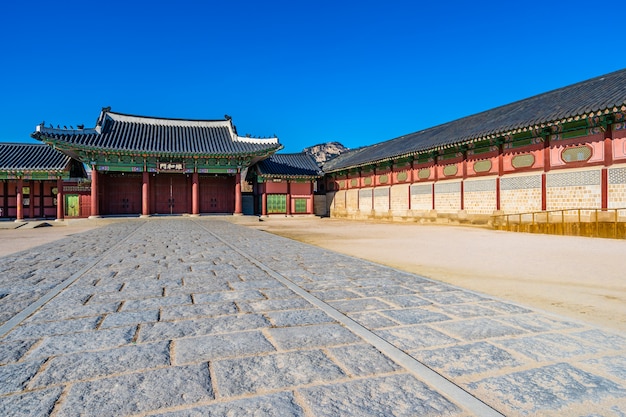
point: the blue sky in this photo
(357, 72)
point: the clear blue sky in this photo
(357, 72)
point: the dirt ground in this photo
(581, 278)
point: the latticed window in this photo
(300, 204)
(276, 203)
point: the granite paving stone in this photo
(244, 295)
(545, 347)
(415, 337)
(273, 305)
(363, 360)
(198, 310)
(201, 327)
(555, 387)
(129, 317)
(12, 351)
(15, 376)
(311, 336)
(298, 317)
(39, 330)
(466, 359)
(414, 316)
(282, 404)
(138, 392)
(255, 374)
(372, 320)
(30, 404)
(478, 329)
(397, 395)
(205, 348)
(361, 304)
(155, 302)
(89, 365)
(81, 342)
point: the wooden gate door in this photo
(217, 194)
(72, 207)
(171, 194)
(122, 194)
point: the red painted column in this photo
(310, 209)
(60, 200)
(195, 194)
(546, 168)
(238, 204)
(145, 194)
(264, 201)
(20, 201)
(288, 198)
(95, 211)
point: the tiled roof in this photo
(292, 165)
(116, 132)
(31, 157)
(597, 95)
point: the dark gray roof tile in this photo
(581, 99)
(300, 165)
(31, 157)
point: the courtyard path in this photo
(180, 316)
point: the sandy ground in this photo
(581, 278)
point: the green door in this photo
(72, 208)
(276, 203)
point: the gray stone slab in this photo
(453, 297)
(244, 295)
(274, 305)
(478, 329)
(548, 347)
(298, 317)
(13, 351)
(414, 316)
(282, 404)
(82, 366)
(396, 395)
(108, 297)
(550, 388)
(312, 336)
(82, 342)
(602, 340)
(372, 320)
(255, 285)
(30, 404)
(206, 348)
(466, 311)
(13, 378)
(361, 304)
(363, 360)
(335, 294)
(460, 360)
(538, 322)
(201, 327)
(39, 330)
(130, 317)
(406, 300)
(259, 374)
(71, 310)
(415, 337)
(611, 365)
(198, 310)
(506, 307)
(139, 392)
(156, 302)
(383, 291)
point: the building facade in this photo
(564, 149)
(149, 166)
(36, 181)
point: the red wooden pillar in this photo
(608, 161)
(288, 198)
(20, 200)
(238, 210)
(195, 194)
(145, 194)
(264, 200)
(60, 200)
(95, 210)
(310, 209)
(546, 168)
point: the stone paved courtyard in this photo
(202, 317)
